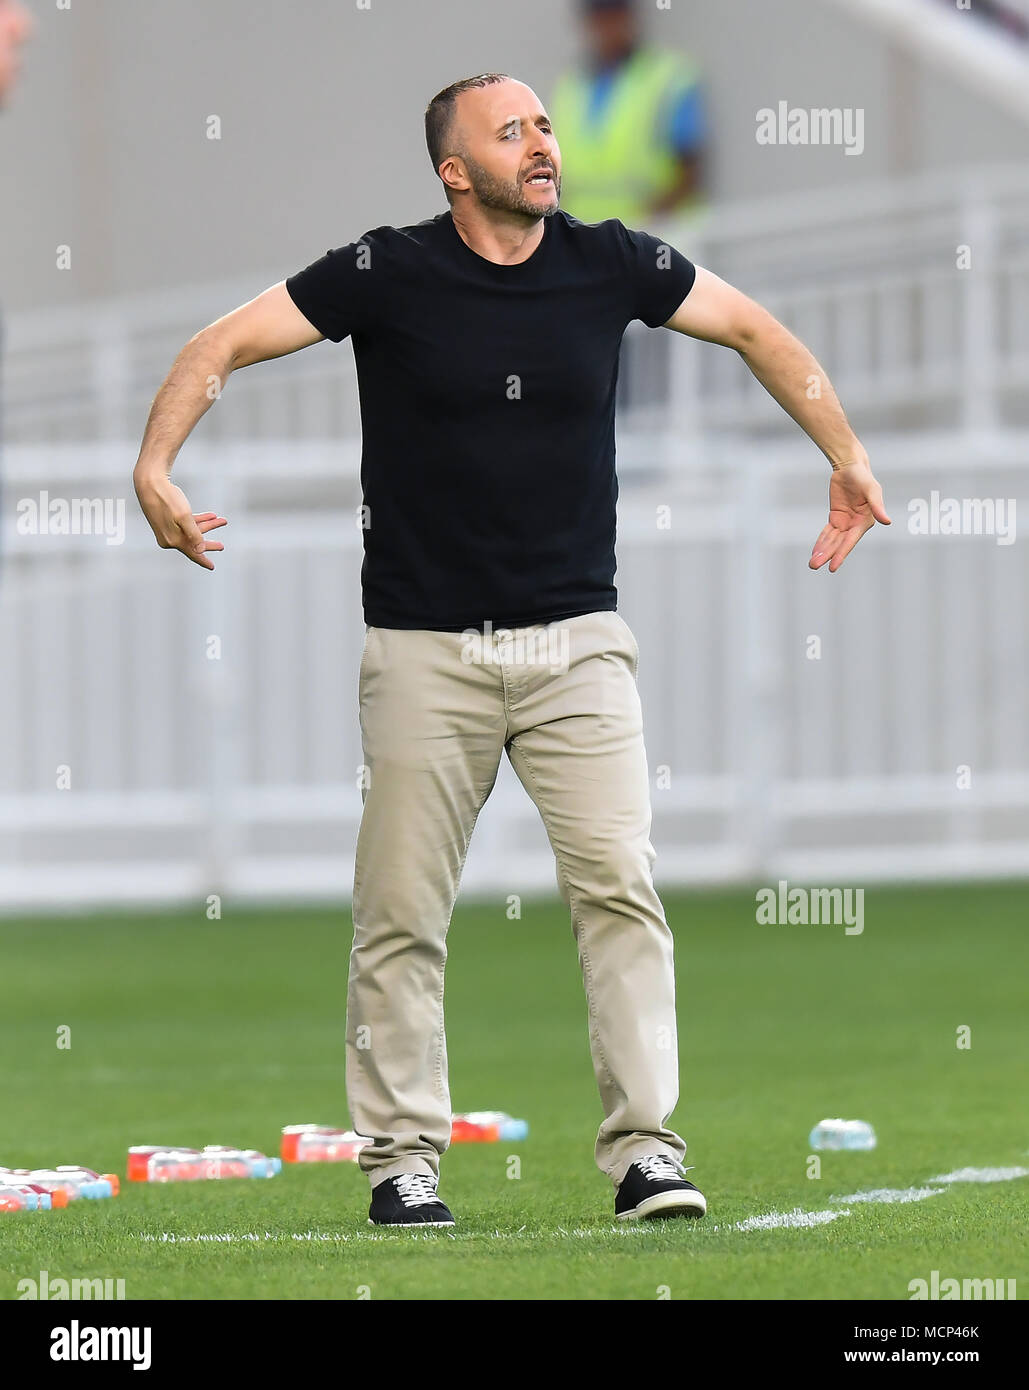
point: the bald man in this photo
(486, 340)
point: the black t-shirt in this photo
(488, 408)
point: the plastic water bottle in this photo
(23, 1178)
(487, 1127)
(321, 1144)
(65, 1184)
(13, 1199)
(58, 1195)
(174, 1165)
(140, 1156)
(150, 1163)
(23, 1198)
(842, 1134)
(56, 1182)
(39, 1181)
(71, 1181)
(91, 1185)
(244, 1163)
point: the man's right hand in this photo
(269, 326)
(176, 527)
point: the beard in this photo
(505, 196)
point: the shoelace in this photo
(416, 1189)
(661, 1167)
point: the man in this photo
(631, 122)
(487, 344)
(15, 30)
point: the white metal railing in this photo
(191, 775)
(870, 276)
(914, 296)
(986, 58)
(194, 770)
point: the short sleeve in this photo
(336, 292)
(660, 277)
(687, 132)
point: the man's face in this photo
(505, 140)
(15, 28)
(611, 33)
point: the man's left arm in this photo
(686, 137)
(688, 183)
(715, 312)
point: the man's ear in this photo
(454, 174)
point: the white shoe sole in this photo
(668, 1204)
(409, 1225)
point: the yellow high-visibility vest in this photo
(618, 166)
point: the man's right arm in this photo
(269, 326)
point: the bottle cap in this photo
(513, 1131)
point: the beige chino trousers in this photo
(438, 710)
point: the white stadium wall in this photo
(105, 148)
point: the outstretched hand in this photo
(855, 505)
(174, 524)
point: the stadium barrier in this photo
(166, 734)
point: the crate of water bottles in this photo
(156, 1163)
(47, 1189)
(324, 1144)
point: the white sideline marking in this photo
(234, 1237)
(776, 1219)
(983, 1175)
(770, 1221)
(892, 1194)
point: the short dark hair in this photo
(439, 114)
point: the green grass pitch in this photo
(193, 1032)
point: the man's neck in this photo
(503, 239)
(603, 66)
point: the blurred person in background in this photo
(15, 29)
(630, 122)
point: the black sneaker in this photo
(655, 1186)
(408, 1200)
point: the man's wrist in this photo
(148, 472)
(848, 458)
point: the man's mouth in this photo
(541, 178)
